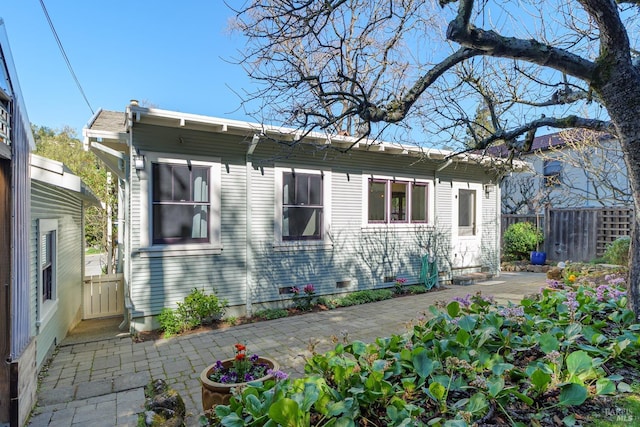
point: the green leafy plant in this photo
(364, 297)
(271, 313)
(617, 252)
(197, 309)
(306, 299)
(470, 360)
(520, 239)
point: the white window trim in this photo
(457, 186)
(325, 242)
(46, 309)
(146, 205)
(397, 225)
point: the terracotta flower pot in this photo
(214, 393)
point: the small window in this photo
(302, 206)
(396, 201)
(552, 171)
(181, 203)
(47, 270)
(467, 213)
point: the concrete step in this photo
(470, 278)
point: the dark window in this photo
(181, 203)
(397, 201)
(302, 206)
(552, 170)
(377, 201)
(47, 266)
(419, 203)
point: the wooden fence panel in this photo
(578, 234)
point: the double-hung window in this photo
(302, 206)
(181, 203)
(47, 270)
(182, 199)
(393, 201)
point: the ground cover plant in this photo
(554, 359)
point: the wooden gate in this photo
(103, 296)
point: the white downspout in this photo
(249, 242)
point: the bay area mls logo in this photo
(619, 414)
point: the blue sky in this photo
(169, 55)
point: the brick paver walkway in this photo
(102, 383)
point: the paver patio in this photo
(101, 383)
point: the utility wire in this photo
(64, 55)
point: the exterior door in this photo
(467, 225)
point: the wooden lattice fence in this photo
(578, 234)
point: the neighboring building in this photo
(231, 206)
(572, 169)
(58, 203)
(42, 241)
(18, 375)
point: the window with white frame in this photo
(397, 201)
(466, 212)
(181, 203)
(47, 269)
(302, 206)
(182, 198)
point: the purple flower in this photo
(219, 365)
(555, 284)
(571, 302)
(309, 289)
(254, 358)
(465, 302)
(295, 290)
(248, 377)
(278, 374)
(225, 379)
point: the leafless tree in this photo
(375, 63)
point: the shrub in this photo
(618, 252)
(197, 309)
(363, 297)
(271, 313)
(520, 239)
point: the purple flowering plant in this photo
(241, 369)
(305, 299)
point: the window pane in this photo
(377, 201)
(315, 190)
(398, 202)
(301, 223)
(288, 189)
(200, 184)
(466, 212)
(419, 203)
(162, 182)
(176, 223)
(181, 183)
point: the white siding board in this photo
(48, 202)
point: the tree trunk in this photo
(621, 95)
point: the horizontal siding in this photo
(48, 202)
(159, 282)
(362, 255)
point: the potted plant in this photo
(219, 379)
(538, 257)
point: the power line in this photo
(64, 55)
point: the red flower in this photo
(240, 356)
(240, 347)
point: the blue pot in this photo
(538, 258)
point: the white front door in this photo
(467, 224)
